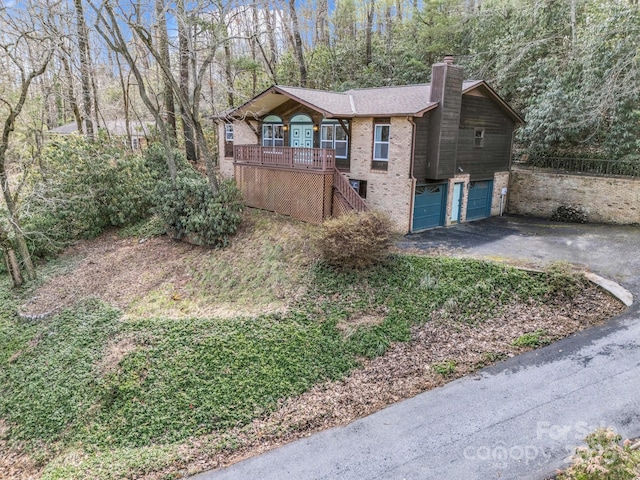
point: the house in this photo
(428, 155)
(140, 131)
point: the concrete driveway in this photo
(520, 419)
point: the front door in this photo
(301, 135)
(457, 201)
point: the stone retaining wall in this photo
(604, 199)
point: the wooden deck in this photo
(317, 159)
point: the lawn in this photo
(159, 381)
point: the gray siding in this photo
(420, 148)
(446, 87)
(494, 155)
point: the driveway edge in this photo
(615, 289)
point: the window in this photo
(478, 138)
(135, 143)
(334, 136)
(359, 186)
(272, 131)
(273, 135)
(381, 143)
(228, 132)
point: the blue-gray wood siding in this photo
(494, 155)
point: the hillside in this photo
(159, 359)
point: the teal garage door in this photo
(429, 206)
(479, 201)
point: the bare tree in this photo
(273, 48)
(322, 23)
(70, 94)
(163, 46)
(108, 26)
(85, 69)
(184, 55)
(28, 51)
(297, 43)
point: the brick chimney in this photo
(444, 122)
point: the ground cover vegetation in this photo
(604, 458)
(135, 356)
(571, 68)
(142, 381)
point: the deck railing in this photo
(341, 184)
(322, 159)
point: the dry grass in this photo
(260, 272)
(14, 463)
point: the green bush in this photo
(562, 279)
(80, 189)
(356, 240)
(604, 459)
(191, 211)
(532, 339)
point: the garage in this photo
(429, 206)
(479, 199)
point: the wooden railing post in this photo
(321, 159)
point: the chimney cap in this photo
(448, 59)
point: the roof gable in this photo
(470, 87)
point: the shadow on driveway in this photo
(608, 250)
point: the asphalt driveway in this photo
(520, 419)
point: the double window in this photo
(334, 136)
(272, 132)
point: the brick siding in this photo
(388, 191)
(603, 199)
(242, 135)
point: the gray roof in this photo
(114, 127)
(407, 100)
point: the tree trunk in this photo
(273, 48)
(183, 48)
(71, 93)
(85, 71)
(254, 48)
(228, 73)
(125, 100)
(297, 43)
(322, 23)
(10, 259)
(368, 34)
(9, 126)
(163, 46)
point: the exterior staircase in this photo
(345, 197)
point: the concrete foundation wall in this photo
(603, 199)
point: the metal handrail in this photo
(593, 166)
